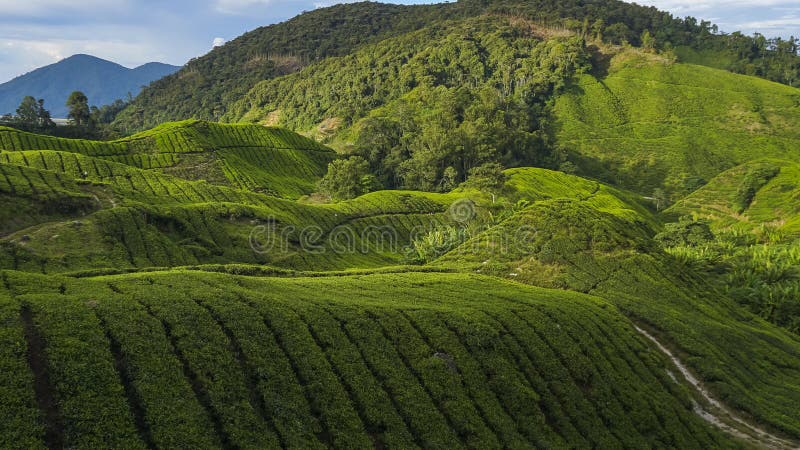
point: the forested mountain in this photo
(208, 85)
(102, 81)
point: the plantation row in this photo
(147, 161)
(130, 182)
(451, 361)
(302, 238)
(248, 135)
(15, 140)
(541, 184)
(194, 135)
(179, 137)
(285, 172)
(42, 185)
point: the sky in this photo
(35, 33)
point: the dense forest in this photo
(207, 86)
(436, 102)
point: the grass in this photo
(397, 360)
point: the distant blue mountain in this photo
(102, 81)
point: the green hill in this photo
(189, 287)
(401, 361)
(208, 86)
(240, 156)
(572, 244)
(652, 123)
(748, 196)
(141, 307)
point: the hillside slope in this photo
(444, 361)
(760, 192)
(102, 81)
(208, 86)
(247, 157)
(120, 238)
(607, 251)
(652, 123)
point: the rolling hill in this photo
(102, 81)
(365, 351)
(331, 362)
(652, 123)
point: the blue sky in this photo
(34, 33)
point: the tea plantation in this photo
(404, 360)
(179, 289)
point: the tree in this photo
(79, 111)
(488, 177)
(32, 115)
(28, 112)
(686, 232)
(618, 33)
(348, 178)
(45, 121)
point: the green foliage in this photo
(686, 232)
(346, 179)
(766, 279)
(478, 95)
(79, 111)
(436, 243)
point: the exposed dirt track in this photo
(718, 414)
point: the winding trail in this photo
(718, 414)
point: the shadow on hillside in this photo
(600, 62)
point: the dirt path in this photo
(718, 414)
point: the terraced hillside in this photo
(181, 311)
(137, 219)
(242, 156)
(651, 123)
(748, 196)
(395, 360)
(572, 244)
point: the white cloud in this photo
(38, 8)
(784, 23)
(239, 6)
(218, 42)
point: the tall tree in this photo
(348, 178)
(28, 112)
(488, 178)
(79, 111)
